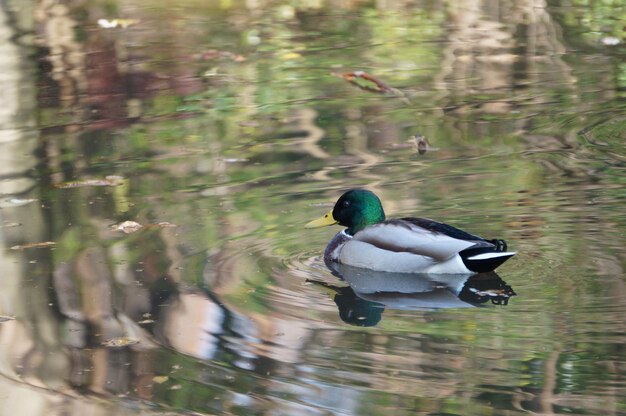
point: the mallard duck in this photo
(403, 245)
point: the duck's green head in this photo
(356, 209)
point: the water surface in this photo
(223, 128)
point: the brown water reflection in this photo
(226, 121)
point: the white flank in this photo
(485, 256)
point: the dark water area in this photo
(158, 164)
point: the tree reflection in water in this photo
(227, 122)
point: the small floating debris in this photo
(421, 143)
(286, 56)
(366, 82)
(163, 224)
(10, 225)
(120, 342)
(210, 54)
(128, 227)
(34, 245)
(5, 318)
(147, 319)
(160, 379)
(113, 23)
(111, 180)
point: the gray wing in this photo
(404, 235)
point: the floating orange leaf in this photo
(366, 82)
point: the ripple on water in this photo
(305, 264)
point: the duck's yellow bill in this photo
(322, 222)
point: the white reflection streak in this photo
(192, 325)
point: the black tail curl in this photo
(500, 244)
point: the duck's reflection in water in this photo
(369, 292)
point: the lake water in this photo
(223, 127)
